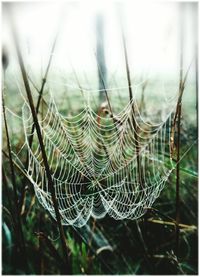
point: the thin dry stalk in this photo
(185, 227)
(5, 182)
(40, 91)
(43, 152)
(142, 102)
(111, 114)
(14, 186)
(44, 240)
(105, 91)
(146, 255)
(196, 47)
(178, 181)
(89, 252)
(133, 115)
(178, 115)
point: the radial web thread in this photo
(94, 164)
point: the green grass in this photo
(145, 246)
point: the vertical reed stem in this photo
(178, 115)
(18, 219)
(30, 141)
(133, 116)
(5, 182)
(196, 27)
(43, 152)
(178, 181)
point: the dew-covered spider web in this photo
(101, 163)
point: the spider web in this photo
(93, 161)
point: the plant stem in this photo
(133, 116)
(11, 210)
(44, 156)
(105, 90)
(142, 102)
(18, 219)
(178, 181)
(178, 116)
(40, 91)
(196, 64)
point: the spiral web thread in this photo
(93, 161)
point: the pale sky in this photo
(151, 28)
